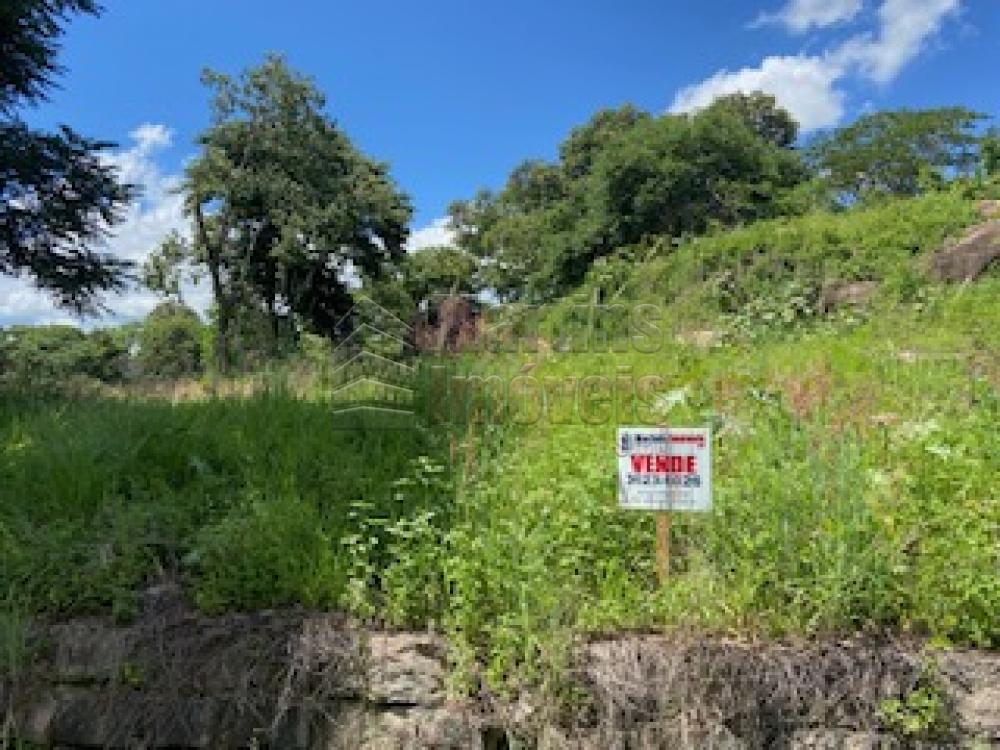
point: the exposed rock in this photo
(87, 651)
(971, 256)
(453, 326)
(176, 679)
(847, 293)
(973, 679)
(405, 669)
(760, 693)
(989, 209)
(839, 739)
(662, 735)
(418, 728)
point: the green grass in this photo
(856, 489)
(855, 474)
(248, 499)
(770, 274)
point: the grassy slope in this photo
(855, 487)
(855, 473)
(855, 466)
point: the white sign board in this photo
(665, 468)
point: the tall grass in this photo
(98, 495)
(855, 481)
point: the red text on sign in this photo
(658, 464)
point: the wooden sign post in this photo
(664, 469)
(663, 546)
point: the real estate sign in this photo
(665, 468)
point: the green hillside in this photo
(855, 464)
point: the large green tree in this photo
(761, 113)
(439, 271)
(626, 176)
(58, 196)
(899, 152)
(284, 208)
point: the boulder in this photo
(453, 326)
(989, 209)
(87, 651)
(840, 739)
(970, 257)
(847, 293)
(405, 669)
(973, 681)
(175, 678)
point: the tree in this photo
(438, 271)
(991, 153)
(163, 271)
(682, 174)
(581, 147)
(283, 206)
(58, 354)
(898, 153)
(625, 176)
(170, 342)
(58, 196)
(762, 114)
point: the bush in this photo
(752, 266)
(266, 552)
(39, 356)
(170, 342)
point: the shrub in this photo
(266, 552)
(170, 342)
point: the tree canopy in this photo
(898, 152)
(285, 209)
(58, 194)
(623, 177)
(48, 355)
(991, 153)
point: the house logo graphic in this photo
(373, 368)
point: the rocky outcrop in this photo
(176, 679)
(989, 209)
(847, 294)
(970, 257)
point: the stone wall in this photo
(176, 679)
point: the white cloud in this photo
(799, 16)
(803, 85)
(811, 86)
(437, 233)
(22, 303)
(146, 221)
(151, 136)
(904, 28)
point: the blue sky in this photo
(454, 94)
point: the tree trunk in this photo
(214, 262)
